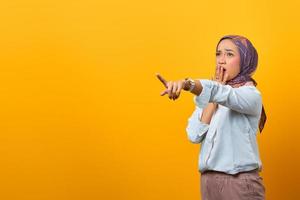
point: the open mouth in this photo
(219, 66)
(224, 70)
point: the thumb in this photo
(164, 92)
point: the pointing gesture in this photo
(173, 88)
(162, 80)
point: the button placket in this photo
(212, 141)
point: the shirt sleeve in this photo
(196, 130)
(245, 99)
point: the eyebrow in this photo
(226, 50)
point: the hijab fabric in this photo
(248, 65)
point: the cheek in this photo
(235, 64)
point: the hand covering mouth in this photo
(221, 67)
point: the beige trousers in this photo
(242, 186)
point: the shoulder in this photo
(249, 92)
(250, 87)
(249, 83)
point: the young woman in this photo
(228, 113)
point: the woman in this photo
(227, 116)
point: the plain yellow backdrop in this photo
(81, 114)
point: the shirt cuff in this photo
(202, 128)
(203, 98)
(199, 127)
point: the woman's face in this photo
(228, 57)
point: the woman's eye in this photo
(230, 54)
(217, 54)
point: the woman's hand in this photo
(220, 77)
(210, 109)
(173, 88)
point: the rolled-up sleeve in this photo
(245, 99)
(196, 130)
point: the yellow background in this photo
(81, 114)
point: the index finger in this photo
(217, 72)
(225, 79)
(162, 79)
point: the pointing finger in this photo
(162, 79)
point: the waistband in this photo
(219, 173)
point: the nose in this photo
(221, 59)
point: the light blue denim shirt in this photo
(228, 143)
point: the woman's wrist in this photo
(194, 86)
(198, 88)
(188, 84)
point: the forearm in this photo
(208, 112)
(198, 88)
